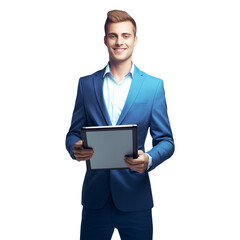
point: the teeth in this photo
(119, 49)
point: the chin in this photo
(122, 59)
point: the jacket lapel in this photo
(98, 86)
(133, 92)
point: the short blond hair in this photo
(116, 16)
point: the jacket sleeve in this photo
(78, 121)
(160, 130)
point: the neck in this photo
(120, 70)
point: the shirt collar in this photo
(108, 70)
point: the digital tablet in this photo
(110, 145)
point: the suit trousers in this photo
(99, 224)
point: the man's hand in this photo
(80, 153)
(139, 164)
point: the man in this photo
(120, 94)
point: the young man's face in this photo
(120, 41)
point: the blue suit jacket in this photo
(146, 107)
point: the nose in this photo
(119, 41)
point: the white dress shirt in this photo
(115, 94)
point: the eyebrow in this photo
(121, 34)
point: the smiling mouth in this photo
(119, 50)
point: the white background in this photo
(47, 45)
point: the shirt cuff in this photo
(149, 161)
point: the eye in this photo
(112, 36)
(126, 36)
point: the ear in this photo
(105, 40)
(135, 41)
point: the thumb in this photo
(79, 144)
(140, 152)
